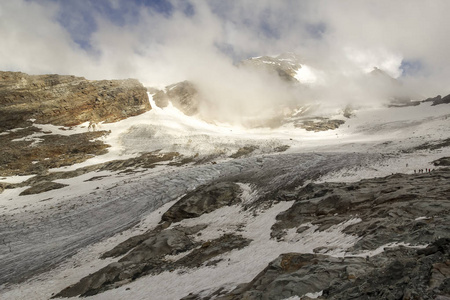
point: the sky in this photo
(161, 42)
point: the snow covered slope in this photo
(53, 239)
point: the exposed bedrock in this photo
(399, 208)
(203, 200)
(22, 155)
(67, 100)
(148, 258)
(397, 273)
(182, 95)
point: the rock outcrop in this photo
(320, 124)
(182, 95)
(285, 65)
(23, 154)
(203, 200)
(148, 257)
(397, 273)
(44, 179)
(438, 100)
(67, 100)
(443, 161)
(399, 208)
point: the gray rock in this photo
(42, 187)
(182, 95)
(145, 258)
(148, 258)
(441, 162)
(203, 200)
(438, 100)
(390, 208)
(397, 273)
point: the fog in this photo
(203, 41)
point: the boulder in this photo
(203, 200)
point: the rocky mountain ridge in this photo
(26, 100)
(67, 100)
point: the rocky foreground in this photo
(401, 249)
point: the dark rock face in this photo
(438, 100)
(441, 162)
(67, 100)
(147, 258)
(145, 254)
(397, 273)
(203, 200)
(141, 260)
(399, 208)
(182, 95)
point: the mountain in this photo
(285, 65)
(110, 192)
(183, 95)
(67, 100)
(30, 101)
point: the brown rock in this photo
(42, 187)
(67, 100)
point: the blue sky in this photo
(79, 17)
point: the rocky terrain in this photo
(319, 124)
(182, 95)
(32, 151)
(67, 100)
(177, 208)
(410, 209)
(438, 100)
(398, 273)
(29, 100)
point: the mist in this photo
(203, 41)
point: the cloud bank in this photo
(163, 42)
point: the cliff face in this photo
(67, 100)
(182, 95)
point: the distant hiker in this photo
(406, 165)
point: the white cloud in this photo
(341, 39)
